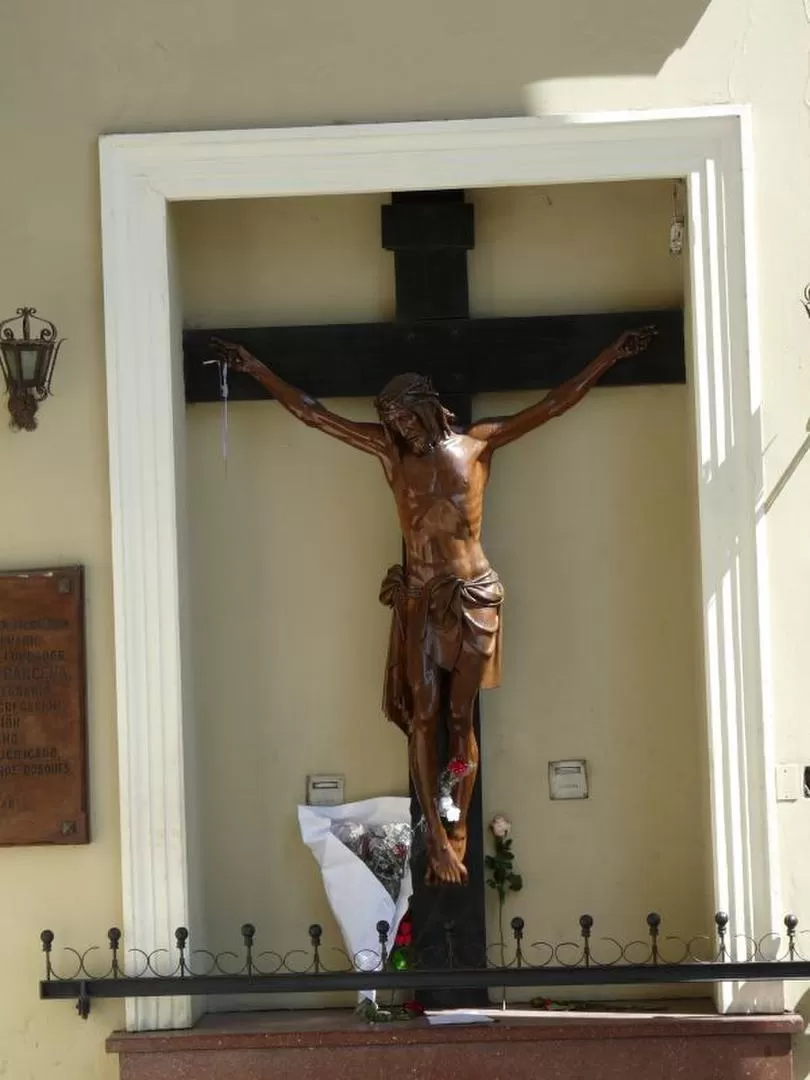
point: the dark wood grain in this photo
(469, 356)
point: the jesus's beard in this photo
(419, 445)
(416, 442)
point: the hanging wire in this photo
(223, 396)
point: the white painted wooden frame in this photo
(142, 174)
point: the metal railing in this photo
(656, 958)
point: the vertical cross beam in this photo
(430, 233)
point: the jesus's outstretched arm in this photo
(500, 430)
(367, 437)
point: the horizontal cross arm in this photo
(462, 356)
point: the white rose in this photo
(500, 826)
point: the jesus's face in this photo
(410, 429)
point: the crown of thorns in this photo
(408, 390)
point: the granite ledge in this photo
(330, 1028)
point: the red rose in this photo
(415, 1008)
(457, 767)
(404, 935)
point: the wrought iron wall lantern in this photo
(27, 356)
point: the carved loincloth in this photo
(439, 619)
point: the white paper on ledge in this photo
(459, 1017)
(357, 898)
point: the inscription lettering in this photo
(54, 768)
(20, 655)
(30, 752)
(23, 691)
(34, 624)
(20, 641)
(35, 674)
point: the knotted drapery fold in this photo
(438, 618)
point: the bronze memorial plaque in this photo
(43, 781)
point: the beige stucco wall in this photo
(73, 71)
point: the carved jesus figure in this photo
(445, 596)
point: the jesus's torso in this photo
(440, 501)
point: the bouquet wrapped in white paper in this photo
(363, 851)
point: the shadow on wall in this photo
(578, 38)
(522, 41)
(362, 60)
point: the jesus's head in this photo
(410, 409)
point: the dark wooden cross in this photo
(430, 234)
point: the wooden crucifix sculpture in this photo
(429, 234)
(445, 596)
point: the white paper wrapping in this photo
(357, 899)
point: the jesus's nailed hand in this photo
(633, 342)
(235, 356)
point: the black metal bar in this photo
(620, 975)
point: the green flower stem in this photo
(500, 929)
(503, 878)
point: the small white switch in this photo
(788, 783)
(567, 780)
(323, 790)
